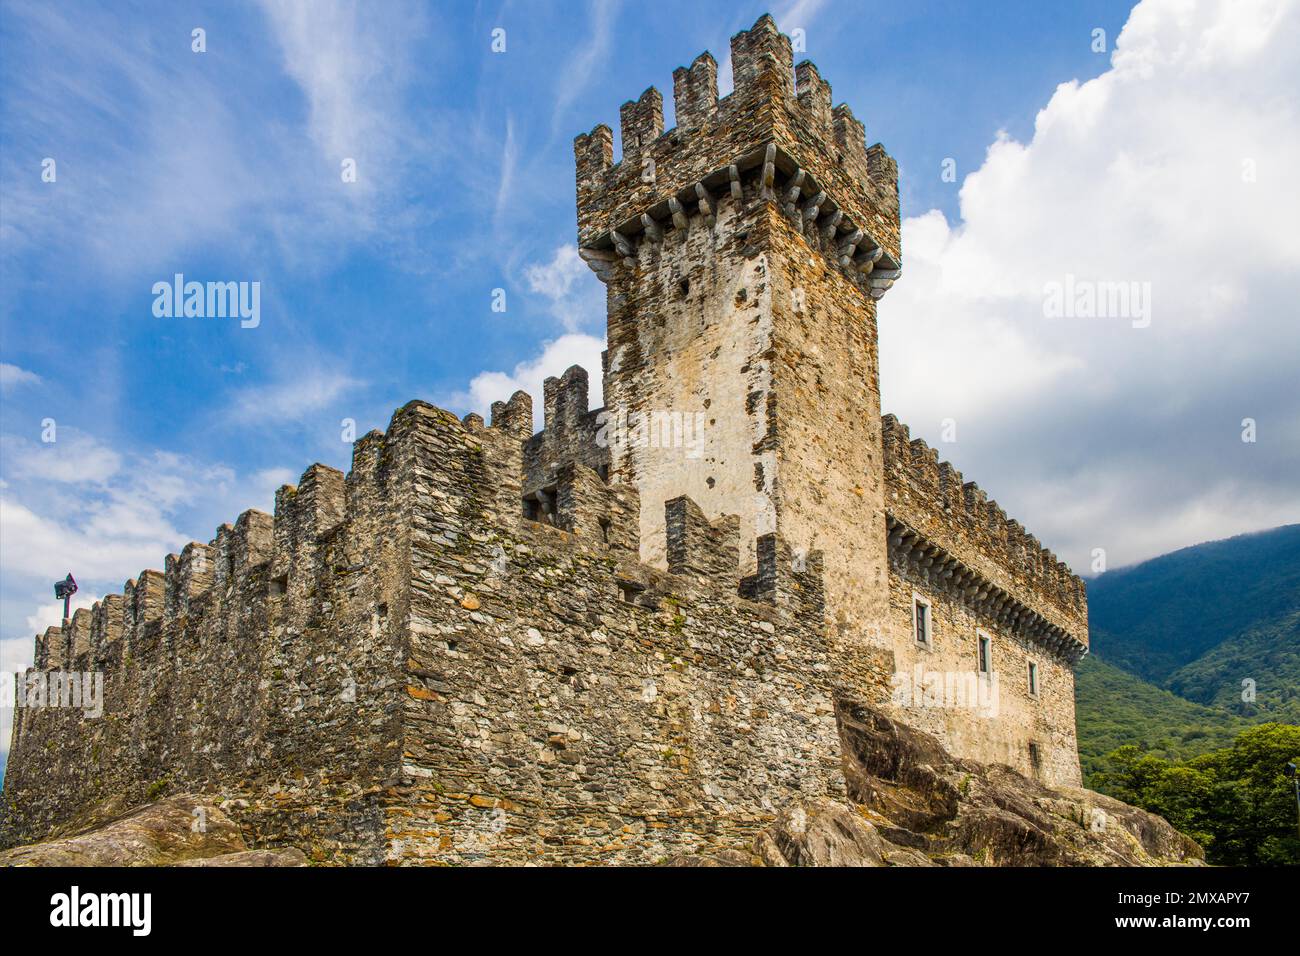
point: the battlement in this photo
(931, 506)
(775, 138)
(349, 634)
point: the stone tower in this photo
(743, 253)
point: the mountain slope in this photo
(1115, 708)
(1179, 640)
(1159, 616)
(1267, 656)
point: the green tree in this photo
(1237, 802)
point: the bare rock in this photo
(290, 856)
(178, 828)
(915, 805)
(182, 830)
(961, 810)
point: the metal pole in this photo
(1296, 781)
(1294, 773)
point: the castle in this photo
(621, 637)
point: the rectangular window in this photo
(1033, 679)
(921, 619)
(985, 654)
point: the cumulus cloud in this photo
(72, 456)
(109, 525)
(556, 356)
(117, 514)
(1171, 173)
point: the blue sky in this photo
(225, 165)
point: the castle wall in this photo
(938, 688)
(953, 547)
(262, 666)
(617, 639)
(401, 668)
(564, 703)
(825, 434)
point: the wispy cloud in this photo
(575, 76)
(303, 392)
(11, 376)
(574, 296)
(509, 157)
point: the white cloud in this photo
(303, 392)
(1091, 431)
(351, 61)
(11, 376)
(103, 540)
(72, 457)
(555, 358)
(574, 295)
(509, 157)
(109, 522)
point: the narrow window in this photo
(1035, 760)
(985, 654)
(604, 530)
(921, 619)
(1033, 679)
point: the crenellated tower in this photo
(743, 252)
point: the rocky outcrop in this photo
(183, 830)
(915, 805)
(910, 804)
(292, 856)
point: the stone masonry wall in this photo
(400, 667)
(951, 546)
(264, 665)
(565, 703)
